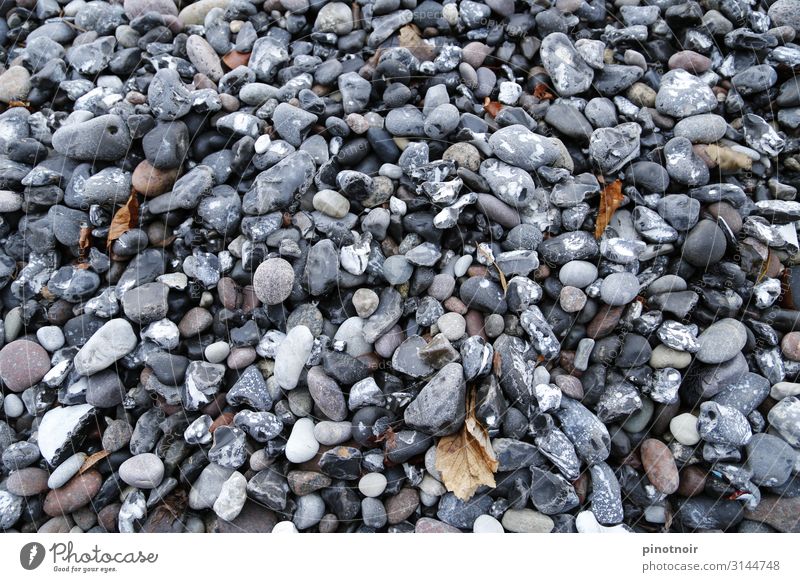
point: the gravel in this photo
(266, 264)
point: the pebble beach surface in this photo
(263, 263)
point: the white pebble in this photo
(283, 527)
(217, 352)
(302, 446)
(684, 428)
(13, 406)
(487, 524)
(372, 484)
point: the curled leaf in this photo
(84, 242)
(124, 219)
(466, 459)
(610, 199)
(492, 107)
(543, 93)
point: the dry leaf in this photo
(492, 107)
(610, 199)
(490, 258)
(84, 242)
(411, 39)
(93, 459)
(235, 59)
(543, 93)
(125, 218)
(466, 459)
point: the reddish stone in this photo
(659, 466)
(150, 181)
(402, 506)
(790, 346)
(23, 363)
(604, 322)
(782, 513)
(78, 491)
(28, 481)
(693, 481)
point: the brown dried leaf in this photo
(610, 199)
(492, 107)
(543, 93)
(84, 242)
(125, 218)
(411, 38)
(235, 59)
(503, 282)
(466, 459)
(92, 460)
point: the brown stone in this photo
(782, 513)
(692, 481)
(726, 212)
(690, 61)
(229, 293)
(430, 525)
(455, 305)
(23, 363)
(249, 299)
(659, 466)
(196, 321)
(224, 419)
(107, 517)
(474, 321)
(305, 482)
(570, 385)
(240, 358)
(790, 346)
(236, 59)
(78, 491)
(28, 481)
(151, 181)
(401, 506)
(604, 322)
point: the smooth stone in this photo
(301, 445)
(619, 288)
(23, 363)
(291, 356)
(721, 341)
(527, 521)
(143, 471)
(108, 344)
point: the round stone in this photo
(273, 281)
(487, 524)
(366, 302)
(23, 363)
(372, 484)
(684, 429)
(619, 288)
(144, 471)
(578, 274)
(50, 337)
(452, 325)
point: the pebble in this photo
(326, 226)
(144, 471)
(302, 446)
(721, 341)
(23, 363)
